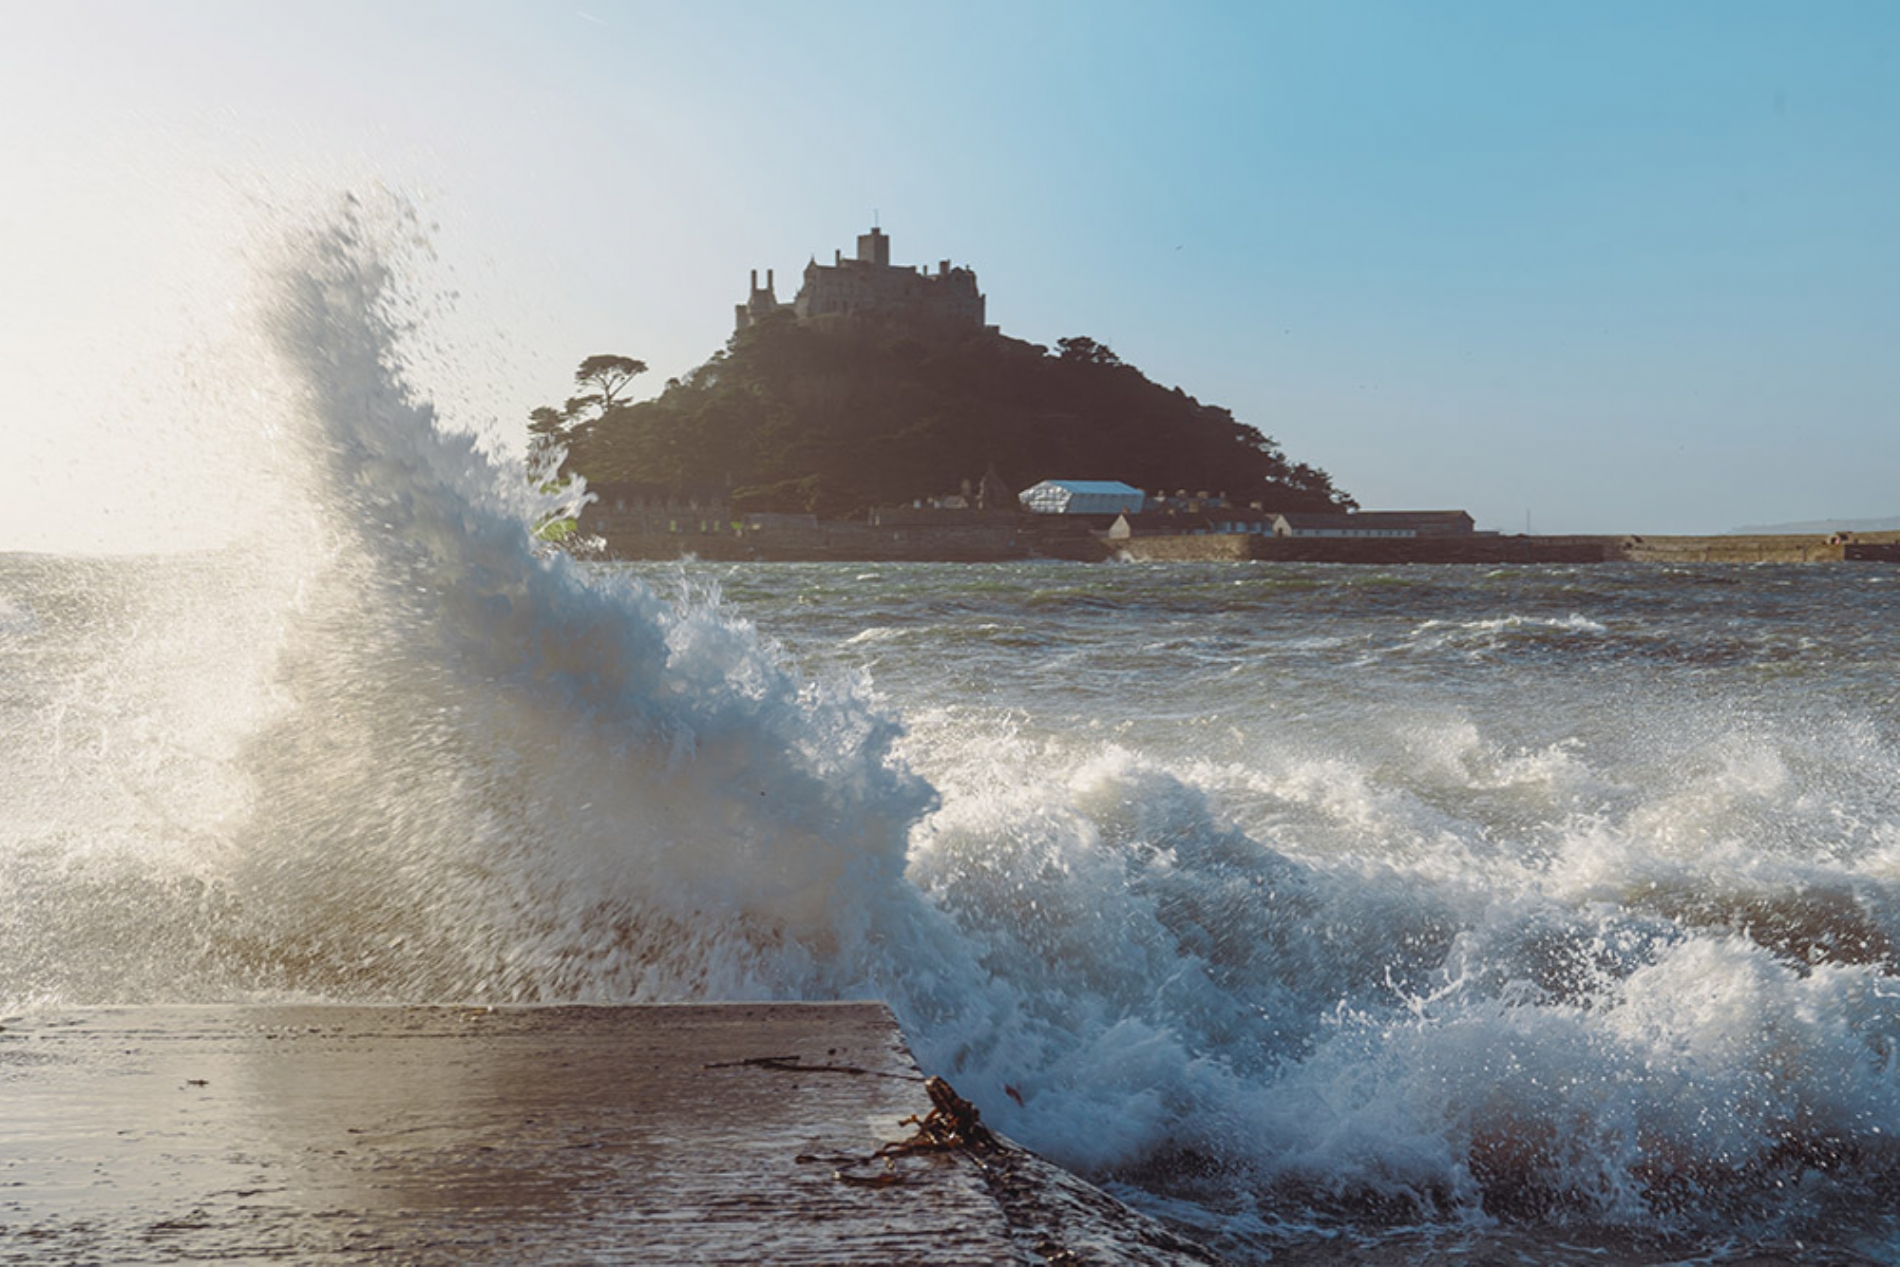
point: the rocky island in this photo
(877, 417)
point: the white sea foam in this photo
(876, 633)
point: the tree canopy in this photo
(835, 417)
(605, 379)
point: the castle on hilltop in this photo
(871, 287)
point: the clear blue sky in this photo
(1611, 266)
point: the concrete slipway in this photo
(724, 1133)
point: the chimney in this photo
(755, 279)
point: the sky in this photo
(1575, 267)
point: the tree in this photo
(554, 433)
(1087, 351)
(606, 377)
(547, 432)
(574, 427)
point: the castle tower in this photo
(869, 287)
(760, 302)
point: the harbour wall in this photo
(830, 541)
(993, 542)
(1484, 549)
(1868, 548)
(1239, 547)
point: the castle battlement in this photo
(870, 287)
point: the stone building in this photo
(1376, 523)
(870, 287)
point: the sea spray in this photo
(480, 773)
(531, 782)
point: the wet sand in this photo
(694, 1133)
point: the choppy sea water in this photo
(1337, 914)
(1546, 897)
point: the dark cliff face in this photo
(834, 416)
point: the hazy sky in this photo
(1591, 266)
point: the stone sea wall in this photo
(1873, 547)
(1212, 548)
(830, 542)
(1883, 547)
(993, 542)
(1381, 550)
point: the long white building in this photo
(1082, 497)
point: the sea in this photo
(1330, 913)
